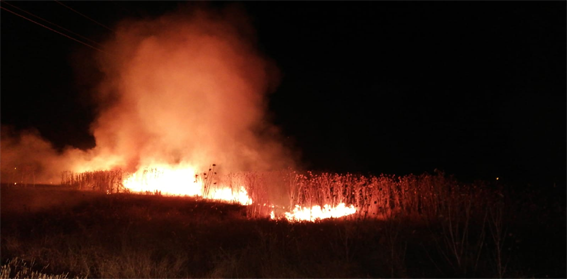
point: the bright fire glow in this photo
(181, 182)
(228, 194)
(168, 181)
(316, 212)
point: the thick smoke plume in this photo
(187, 88)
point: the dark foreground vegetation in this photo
(454, 230)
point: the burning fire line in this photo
(182, 182)
(314, 213)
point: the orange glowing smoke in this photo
(175, 93)
(187, 89)
(178, 92)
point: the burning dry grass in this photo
(301, 196)
(454, 230)
(426, 196)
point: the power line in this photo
(53, 24)
(84, 15)
(62, 34)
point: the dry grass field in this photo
(436, 228)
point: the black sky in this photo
(474, 88)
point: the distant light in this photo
(497, 178)
(14, 168)
(15, 183)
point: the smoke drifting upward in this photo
(187, 88)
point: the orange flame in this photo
(314, 213)
(181, 182)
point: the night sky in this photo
(475, 89)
